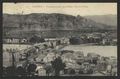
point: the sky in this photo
(83, 9)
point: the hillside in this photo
(44, 24)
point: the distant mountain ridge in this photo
(104, 19)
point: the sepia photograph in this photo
(59, 39)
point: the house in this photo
(68, 57)
(50, 57)
(15, 40)
(94, 38)
(24, 40)
(114, 42)
(64, 41)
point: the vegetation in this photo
(36, 39)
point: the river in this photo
(101, 50)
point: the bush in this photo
(36, 39)
(31, 68)
(10, 71)
(90, 71)
(20, 70)
(80, 72)
(71, 71)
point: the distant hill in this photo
(104, 19)
(53, 24)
